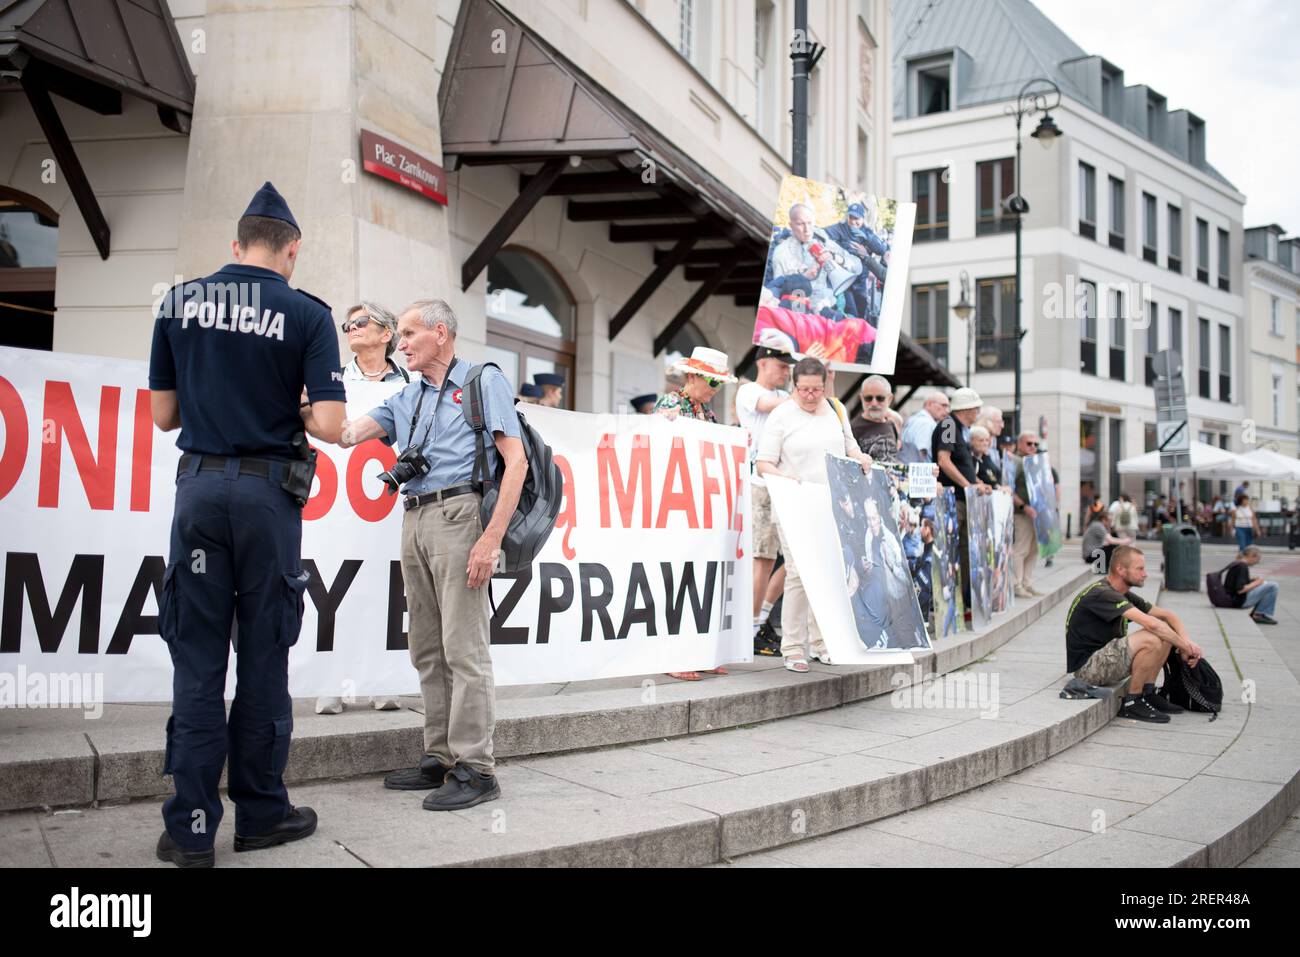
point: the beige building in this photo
(609, 167)
(1272, 269)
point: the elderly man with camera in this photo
(448, 555)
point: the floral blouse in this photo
(685, 406)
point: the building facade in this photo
(1132, 242)
(1273, 348)
(609, 167)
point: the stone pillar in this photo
(283, 93)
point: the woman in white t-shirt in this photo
(795, 440)
(1244, 522)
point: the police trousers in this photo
(449, 632)
(235, 560)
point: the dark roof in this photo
(128, 45)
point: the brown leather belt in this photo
(428, 498)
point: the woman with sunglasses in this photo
(372, 335)
(706, 372)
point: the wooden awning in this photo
(91, 52)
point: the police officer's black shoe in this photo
(300, 823)
(427, 776)
(168, 851)
(464, 787)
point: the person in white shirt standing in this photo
(1124, 516)
(754, 403)
(796, 438)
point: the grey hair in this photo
(979, 432)
(876, 380)
(1250, 551)
(382, 316)
(434, 311)
(811, 212)
(991, 412)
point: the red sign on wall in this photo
(392, 161)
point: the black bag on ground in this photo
(1196, 689)
(1219, 596)
(539, 500)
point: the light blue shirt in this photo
(916, 437)
(449, 445)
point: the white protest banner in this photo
(647, 571)
(804, 511)
(921, 480)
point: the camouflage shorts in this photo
(765, 541)
(1109, 664)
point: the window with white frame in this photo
(1274, 316)
(1277, 401)
(686, 28)
(1087, 201)
(1117, 335)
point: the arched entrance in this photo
(29, 252)
(531, 319)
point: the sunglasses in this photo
(350, 324)
(713, 383)
(875, 398)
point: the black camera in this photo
(410, 464)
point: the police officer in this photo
(231, 356)
(552, 386)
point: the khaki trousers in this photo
(1024, 553)
(798, 626)
(449, 632)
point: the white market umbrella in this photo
(1206, 459)
(1281, 467)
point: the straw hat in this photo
(705, 362)
(964, 399)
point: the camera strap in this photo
(415, 416)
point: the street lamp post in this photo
(1037, 96)
(963, 311)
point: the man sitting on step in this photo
(1100, 651)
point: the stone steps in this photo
(693, 799)
(54, 758)
(1192, 793)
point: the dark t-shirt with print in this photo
(877, 439)
(948, 437)
(1095, 619)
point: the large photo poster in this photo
(949, 608)
(647, 570)
(1042, 496)
(836, 275)
(875, 570)
(989, 527)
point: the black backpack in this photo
(1196, 689)
(1215, 589)
(540, 498)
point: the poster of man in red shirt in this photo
(835, 276)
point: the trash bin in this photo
(1181, 545)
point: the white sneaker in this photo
(823, 658)
(386, 704)
(329, 705)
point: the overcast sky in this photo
(1232, 64)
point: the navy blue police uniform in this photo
(237, 347)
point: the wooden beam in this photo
(510, 220)
(80, 90)
(609, 209)
(68, 164)
(594, 184)
(649, 285)
(710, 255)
(746, 300)
(747, 362)
(659, 232)
(743, 271)
(701, 294)
(899, 403)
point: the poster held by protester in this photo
(836, 275)
(646, 571)
(875, 569)
(1042, 496)
(805, 512)
(949, 609)
(921, 481)
(1000, 582)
